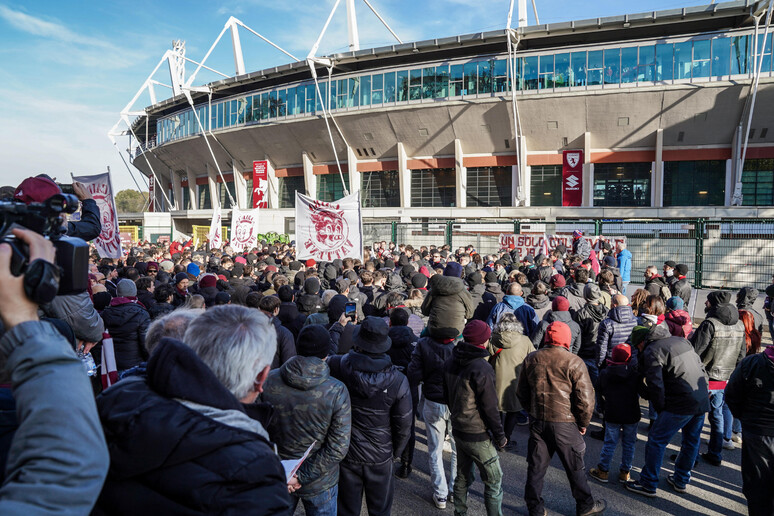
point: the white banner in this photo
(244, 229)
(534, 244)
(108, 242)
(326, 231)
(215, 236)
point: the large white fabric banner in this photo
(215, 235)
(244, 229)
(108, 242)
(534, 244)
(326, 231)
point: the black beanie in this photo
(419, 280)
(474, 278)
(313, 341)
(491, 277)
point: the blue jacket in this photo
(625, 265)
(515, 305)
(615, 329)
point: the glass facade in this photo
(622, 184)
(186, 198)
(702, 58)
(380, 189)
(287, 190)
(205, 203)
(489, 186)
(225, 200)
(330, 188)
(758, 182)
(545, 185)
(694, 183)
(433, 188)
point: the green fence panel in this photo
(738, 253)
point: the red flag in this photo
(109, 369)
(572, 178)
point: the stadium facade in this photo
(658, 103)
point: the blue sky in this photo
(68, 68)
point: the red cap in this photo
(560, 304)
(621, 354)
(310, 262)
(221, 276)
(558, 334)
(511, 246)
(476, 332)
(557, 280)
(36, 189)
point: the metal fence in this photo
(727, 253)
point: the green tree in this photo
(130, 201)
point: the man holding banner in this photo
(100, 188)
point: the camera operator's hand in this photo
(81, 191)
(15, 307)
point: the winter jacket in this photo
(574, 294)
(538, 336)
(554, 385)
(617, 388)
(127, 322)
(540, 303)
(181, 443)
(682, 289)
(309, 406)
(749, 393)
(581, 248)
(160, 310)
(146, 299)
(59, 458)
(614, 330)
(719, 341)
(476, 294)
(656, 286)
(403, 341)
(491, 296)
(588, 318)
(78, 312)
(426, 366)
(448, 305)
(209, 294)
(381, 406)
(617, 280)
(286, 344)
(679, 323)
(625, 264)
(508, 347)
(309, 301)
(674, 375)
(517, 306)
(469, 389)
(291, 318)
(89, 227)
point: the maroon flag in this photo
(260, 184)
(572, 178)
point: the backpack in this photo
(665, 294)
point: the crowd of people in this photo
(230, 363)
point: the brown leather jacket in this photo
(554, 385)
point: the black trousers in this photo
(375, 480)
(564, 439)
(758, 473)
(407, 457)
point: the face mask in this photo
(670, 273)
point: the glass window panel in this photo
(766, 65)
(249, 109)
(622, 184)
(291, 101)
(546, 185)
(612, 65)
(428, 83)
(489, 186)
(365, 90)
(455, 72)
(500, 74)
(441, 81)
(389, 87)
(578, 61)
(205, 203)
(433, 188)
(563, 71)
(377, 83)
(300, 99)
(330, 187)
(274, 104)
(596, 67)
(546, 72)
(471, 79)
(683, 60)
(354, 92)
(757, 181)
(530, 74)
(664, 62)
(287, 190)
(380, 189)
(694, 183)
(701, 58)
(226, 114)
(721, 56)
(343, 93)
(739, 54)
(628, 65)
(241, 108)
(484, 77)
(323, 92)
(415, 84)
(646, 69)
(333, 103)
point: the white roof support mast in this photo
(354, 38)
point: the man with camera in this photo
(58, 458)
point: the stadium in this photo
(667, 112)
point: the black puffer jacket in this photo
(160, 310)
(588, 318)
(381, 406)
(749, 393)
(448, 305)
(146, 298)
(291, 318)
(538, 336)
(469, 385)
(309, 302)
(682, 289)
(127, 322)
(403, 339)
(286, 344)
(617, 387)
(167, 458)
(426, 366)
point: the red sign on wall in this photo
(572, 178)
(260, 184)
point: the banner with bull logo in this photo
(108, 242)
(572, 178)
(326, 231)
(244, 229)
(536, 243)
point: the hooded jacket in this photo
(448, 305)
(426, 366)
(508, 347)
(309, 302)
(517, 306)
(403, 339)
(675, 378)
(127, 322)
(617, 280)
(588, 318)
(309, 406)
(745, 299)
(679, 323)
(582, 248)
(181, 443)
(719, 341)
(614, 330)
(540, 303)
(574, 294)
(492, 295)
(469, 389)
(538, 336)
(749, 392)
(617, 388)
(78, 311)
(625, 264)
(381, 406)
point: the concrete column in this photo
(588, 172)
(243, 200)
(192, 189)
(273, 184)
(404, 177)
(657, 188)
(461, 175)
(213, 184)
(177, 188)
(354, 175)
(310, 182)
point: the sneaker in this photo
(635, 487)
(623, 476)
(677, 487)
(599, 475)
(439, 501)
(737, 438)
(711, 460)
(598, 508)
(728, 444)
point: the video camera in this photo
(72, 254)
